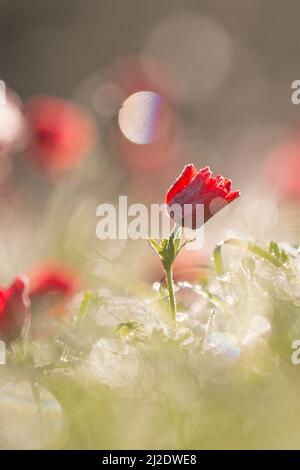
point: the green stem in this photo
(170, 285)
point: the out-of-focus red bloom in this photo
(61, 134)
(282, 168)
(53, 279)
(16, 300)
(14, 304)
(143, 159)
(195, 187)
(139, 74)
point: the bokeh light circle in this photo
(197, 51)
(261, 215)
(24, 424)
(140, 115)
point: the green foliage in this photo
(280, 255)
(125, 327)
(221, 373)
(169, 248)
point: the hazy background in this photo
(232, 64)
(49, 46)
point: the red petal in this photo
(227, 184)
(3, 297)
(48, 279)
(205, 173)
(188, 174)
(14, 303)
(223, 183)
(232, 196)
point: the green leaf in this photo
(280, 255)
(84, 306)
(164, 244)
(267, 255)
(124, 327)
(274, 249)
(155, 246)
(218, 261)
(284, 257)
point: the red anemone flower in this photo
(53, 280)
(194, 188)
(14, 304)
(61, 134)
(282, 168)
(18, 299)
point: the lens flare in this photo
(139, 117)
(26, 424)
(197, 52)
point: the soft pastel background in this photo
(225, 69)
(224, 72)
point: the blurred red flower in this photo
(61, 134)
(136, 73)
(195, 187)
(282, 168)
(14, 304)
(144, 74)
(16, 300)
(52, 278)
